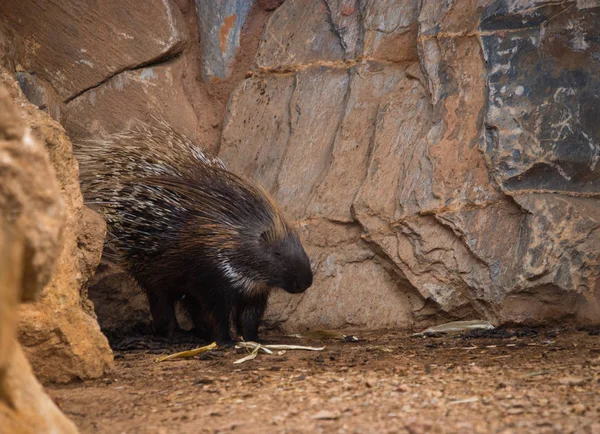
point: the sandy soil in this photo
(529, 381)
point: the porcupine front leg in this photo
(248, 314)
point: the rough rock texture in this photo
(543, 98)
(440, 156)
(59, 331)
(99, 67)
(74, 45)
(29, 197)
(138, 94)
(325, 30)
(24, 407)
(31, 227)
(221, 23)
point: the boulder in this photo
(24, 407)
(31, 232)
(29, 195)
(59, 331)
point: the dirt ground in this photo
(500, 381)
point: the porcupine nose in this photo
(304, 281)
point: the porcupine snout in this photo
(300, 277)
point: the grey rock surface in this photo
(221, 23)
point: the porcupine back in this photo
(161, 194)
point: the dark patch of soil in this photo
(498, 333)
(502, 333)
(591, 330)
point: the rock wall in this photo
(440, 157)
(31, 233)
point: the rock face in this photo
(97, 67)
(112, 106)
(454, 175)
(75, 45)
(59, 331)
(441, 157)
(543, 98)
(31, 231)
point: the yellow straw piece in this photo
(189, 353)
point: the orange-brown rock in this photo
(59, 332)
(31, 225)
(24, 406)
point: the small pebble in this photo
(371, 382)
(326, 415)
(572, 381)
(403, 388)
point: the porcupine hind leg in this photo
(162, 308)
(248, 314)
(220, 307)
(201, 317)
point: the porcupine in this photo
(182, 225)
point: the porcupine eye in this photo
(270, 245)
(268, 242)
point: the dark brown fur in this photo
(183, 225)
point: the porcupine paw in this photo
(226, 343)
(184, 337)
(202, 333)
